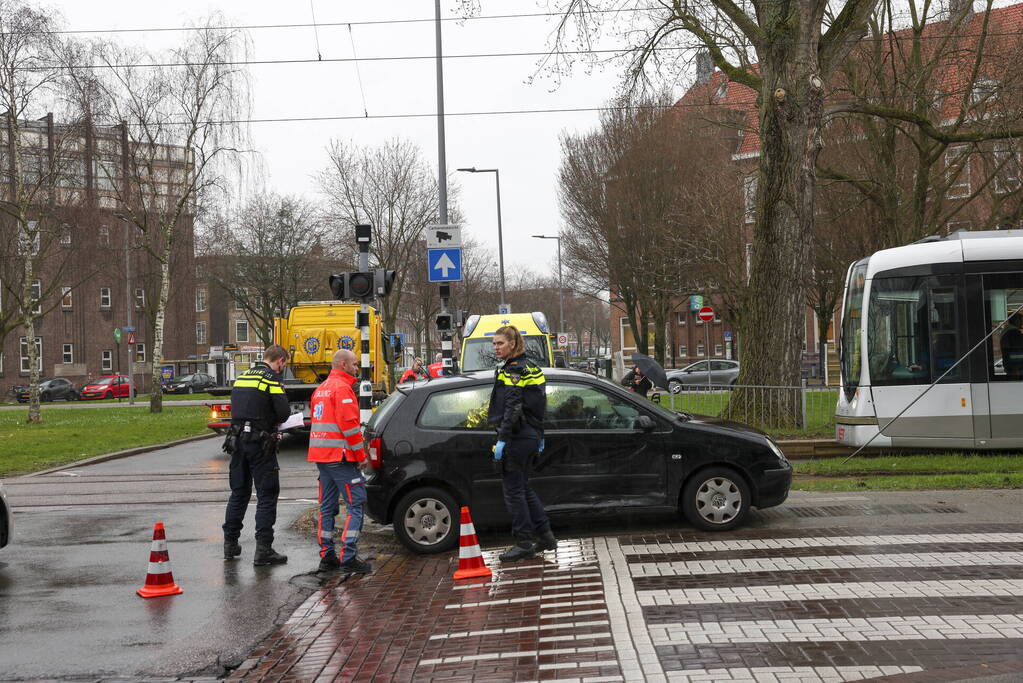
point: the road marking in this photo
(578, 665)
(529, 598)
(520, 653)
(929, 627)
(789, 673)
(518, 629)
(822, 562)
(805, 592)
(508, 582)
(816, 541)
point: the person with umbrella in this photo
(635, 380)
(648, 373)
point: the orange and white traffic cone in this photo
(159, 579)
(470, 557)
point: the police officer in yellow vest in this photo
(258, 405)
(517, 406)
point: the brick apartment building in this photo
(89, 256)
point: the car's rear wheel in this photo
(426, 521)
(674, 386)
(44, 398)
(716, 499)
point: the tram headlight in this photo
(777, 451)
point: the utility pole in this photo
(442, 187)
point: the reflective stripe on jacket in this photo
(257, 396)
(519, 398)
(335, 434)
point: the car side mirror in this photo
(644, 423)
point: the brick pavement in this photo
(823, 604)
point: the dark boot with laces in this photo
(522, 550)
(265, 554)
(232, 549)
(546, 541)
(329, 562)
(354, 565)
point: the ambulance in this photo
(478, 331)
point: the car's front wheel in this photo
(426, 521)
(716, 499)
(674, 386)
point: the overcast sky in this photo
(524, 147)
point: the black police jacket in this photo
(519, 398)
(258, 397)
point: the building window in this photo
(65, 297)
(699, 349)
(238, 306)
(37, 295)
(200, 300)
(30, 233)
(25, 367)
(241, 330)
(957, 171)
(749, 261)
(749, 197)
(140, 352)
(682, 351)
(719, 350)
(1006, 166)
(984, 90)
(104, 297)
(140, 298)
(681, 316)
(200, 332)
(65, 235)
(1, 363)
(107, 360)
(68, 354)
(104, 236)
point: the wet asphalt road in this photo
(67, 583)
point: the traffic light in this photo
(444, 322)
(383, 281)
(360, 285)
(338, 285)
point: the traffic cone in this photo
(470, 557)
(159, 580)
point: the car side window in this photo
(720, 365)
(698, 367)
(576, 406)
(464, 408)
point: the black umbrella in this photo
(652, 369)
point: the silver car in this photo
(6, 519)
(718, 373)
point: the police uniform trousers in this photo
(340, 479)
(251, 466)
(527, 513)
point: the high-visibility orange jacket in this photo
(335, 434)
(436, 369)
(412, 374)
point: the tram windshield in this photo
(852, 320)
(912, 330)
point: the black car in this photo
(606, 449)
(190, 384)
(56, 389)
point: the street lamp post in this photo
(561, 288)
(129, 298)
(500, 238)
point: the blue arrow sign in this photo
(444, 265)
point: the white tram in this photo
(909, 314)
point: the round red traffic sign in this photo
(706, 314)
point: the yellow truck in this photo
(312, 332)
(478, 331)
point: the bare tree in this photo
(180, 140)
(270, 257)
(37, 164)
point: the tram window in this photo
(1003, 295)
(911, 331)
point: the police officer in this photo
(337, 448)
(258, 405)
(517, 406)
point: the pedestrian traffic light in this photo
(338, 285)
(383, 281)
(444, 322)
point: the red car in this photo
(112, 386)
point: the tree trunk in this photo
(155, 395)
(790, 128)
(34, 413)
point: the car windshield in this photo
(384, 409)
(105, 380)
(649, 405)
(187, 378)
(479, 353)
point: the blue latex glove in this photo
(541, 445)
(498, 450)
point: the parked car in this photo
(606, 450)
(111, 386)
(56, 389)
(722, 373)
(6, 519)
(190, 384)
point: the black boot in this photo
(522, 550)
(265, 555)
(546, 542)
(353, 565)
(232, 549)
(329, 562)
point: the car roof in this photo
(486, 376)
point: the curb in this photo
(802, 449)
(120, 454)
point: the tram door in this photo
(914, 337)
(1003, 294)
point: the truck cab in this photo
(477, 347)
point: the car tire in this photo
(674, 386)
(73, 396)
(109, 395)
(426, 521)
(716, 499)
(191, 390)
(44, 398)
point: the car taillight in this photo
(220, 410)
(375, 461)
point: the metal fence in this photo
(800, 409)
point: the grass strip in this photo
(931, 463)
(68, 435)
(993, 480)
